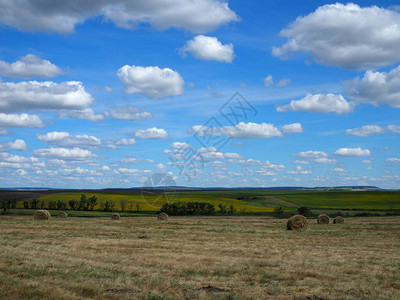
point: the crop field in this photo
(248, 200)
(198, 258)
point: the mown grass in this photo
(198, 258)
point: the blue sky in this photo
(107, 93)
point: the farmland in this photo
(198, 258)
(249, 201)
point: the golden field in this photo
(198, 258)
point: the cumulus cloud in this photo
(366, 130)
(320, 103)
(353, 152)
(74, 154)
(292, 128)
(341, 170)
(82, 114)
(153, 82)
(394, 128)
(62, 16)
(209, 48)
(152, 133)
(129, 113)
(29, 66)
(65, 139)
(284, 82)
(268, 81)
(376, 88)
(311, 154)
(17, 145)
(251, 131)
(299, 170)
(393, 159)
(348, 36)
(133, 160)
(20, 120)
(326, 161)
(43, 95)
(126, 142)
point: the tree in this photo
(92, 202)
(26, 204)
(122, 202)
(83, 203)
(138, 207)
(112, 205)
(278, 211)
(107, 205)
(34, 203)
(4, 205)
(61, 205)
(130, 207)
(73, 204)
(222, 209)
(305, 211)
(231, 210)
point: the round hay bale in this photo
(323, 219)
(115, 216)
(338, 220)
(297, 222)
(62, 215)
(41, 215)
(162, 216)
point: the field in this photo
(198, 258)
(249, 201)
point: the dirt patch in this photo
(213, 289)
(122, 291)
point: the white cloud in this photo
(17, 145)
(65, 139)
(353, 152)
(82, 114)
(268, 81)
(29, 66)
(324, 160)
(129, 113)
(21, 172)
(341, 170)
(126, 142)
(347, 36)
(376, 87)
(209, 48)
(301, 162)
(3, 131)
(153, 82)
(152, 133)
(62, 16)
(284, 82)
(299, 170)
(251, 131)
(109, 89)
(394, 128)
(74, 154)
(292, 128)
(320, 103)
(133, 160)
(21, 120)
(393, 159)
(311, 154)
(43, 95)
(366, 130)
(367, 161)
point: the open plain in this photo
(198, 258)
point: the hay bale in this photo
(41, 215)
(115, 216)
(338, 220)
(162, 216)
(62, 215)
(323, 219)
(297, 222)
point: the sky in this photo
(110, 94)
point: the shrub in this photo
(222, 209)
(304, 211)
(231, 210)
(52, 204)
(26, 204)
(188, 208)
(61, 205)
(278, 211)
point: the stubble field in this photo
(198, 258)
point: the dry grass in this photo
(198, 258)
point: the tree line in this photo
(196, 208)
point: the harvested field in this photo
(198, 258)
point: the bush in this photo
(304, 211)
(278, 211)
(73, 204)
(26, 204)
(34, 203)
(231, 210)
(222, 209)
(52, 204)
(61, 205)
(188, 208)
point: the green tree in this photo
(122, 202)
(278, 211)
(34, 203)
(92, 202)
(73, 204)
(222, 209)
(231, 210)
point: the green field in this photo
(250, 201)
